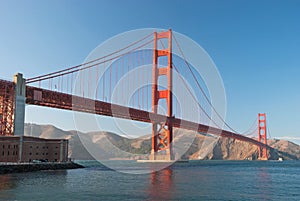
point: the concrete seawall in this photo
(30, 167)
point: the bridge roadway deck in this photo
(48, 98)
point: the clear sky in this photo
(254, 44)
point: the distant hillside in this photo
(192, 145)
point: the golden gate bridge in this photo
(91, 88)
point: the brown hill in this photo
(189, 144)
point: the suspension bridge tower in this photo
(162, 132)
(12, 106)
(262, 136)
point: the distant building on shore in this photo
(29, 149)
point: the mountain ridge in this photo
(191, 145)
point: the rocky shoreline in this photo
(31, 167)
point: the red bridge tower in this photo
(162, 132)
(262, 136)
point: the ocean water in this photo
(196, 180)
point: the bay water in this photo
(195, 180)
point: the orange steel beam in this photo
(47, 98)
(7, 97)
(262, 135)
(165, 143)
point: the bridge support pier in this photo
(262, 136)
(19, 111)
(162, 133)
(7, 102)
(162, 142)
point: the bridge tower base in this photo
(12, 106)
(262, 136)
(162, 132)
(7, 102)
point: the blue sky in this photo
(254, 44)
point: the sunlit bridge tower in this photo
(162, 132)
(262, 136)
(12, 106)
(7, 98)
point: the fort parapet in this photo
(29, 149)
